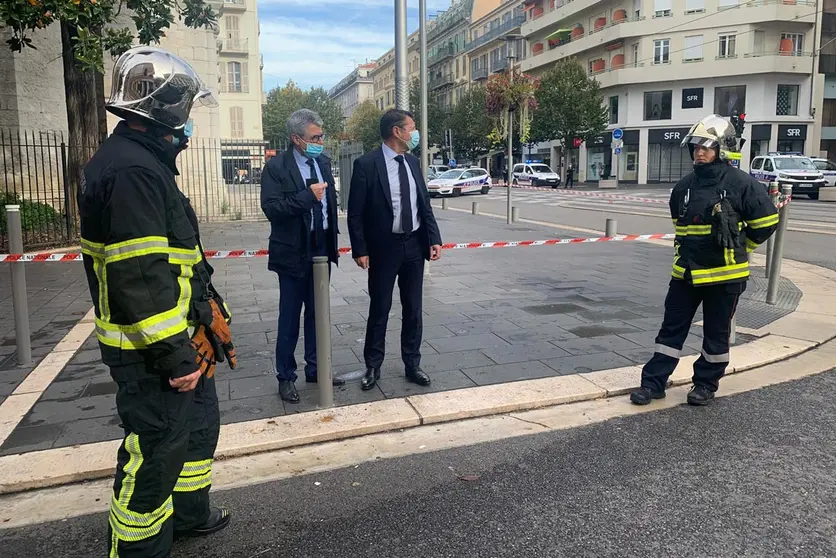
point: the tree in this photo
(284, 101)
(364, 125)
(436, 119)
(88, 28)
(569, 105)
(471, 125)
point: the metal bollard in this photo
(778, 249)
(612, 228)
(474, 208)
(770, 243)
(19, 300)
(515, 214)
(322, 306)
(444, 203)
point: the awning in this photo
(560, 34)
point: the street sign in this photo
(617, 134)
(617, 150)
(452, 162)
(617, 144)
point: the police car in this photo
(828, 169)
(789, 169)
(535, 174)
(456, 182)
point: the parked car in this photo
(456, 182)
(787, 169)
(827, 168)
(535, 174)
(438, 169)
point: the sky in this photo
(317, 43)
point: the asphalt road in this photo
(750, 476)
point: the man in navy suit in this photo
(299, 199)
(393, 230)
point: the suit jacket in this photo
(370, 215)
(287, 203)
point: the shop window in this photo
(667, 162)
(729, 101)
(791, 146)
(828, 113)
(787, 100)
(657, 105)
(614, 109)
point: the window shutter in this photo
(662, 6)
(693, 47)
(245, 79)
(694, 6)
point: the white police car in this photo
(535, 174)
(789, 169)
(827, 168)
(456, 182)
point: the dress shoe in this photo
(370, 379)
(287, 391)
(418, 376)
(218, 519)
(336, 382)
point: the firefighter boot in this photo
(700, 396)
(643, 396)
(218, 519)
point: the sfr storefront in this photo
(666, 160)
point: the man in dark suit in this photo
(299, 199)
(393, 230)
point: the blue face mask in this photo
(187, 133)
(313, 150)
(414, 139)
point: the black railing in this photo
(496, 32)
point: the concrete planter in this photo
(608, 184)
(827, 194)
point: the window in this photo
(794, 163)
(237, 80)
(767, 165)
(636, 54)
(662, 8)
(637, 8)
(236, 122)
(662, 51)
(726, 4)
(787, 100)
(756, 164)
(231, 25)
(694, 6)
(730, 100)
(797, 41)
(758, 42)
(693, 48)
(727, 46)
(614, 109)
(657, 105)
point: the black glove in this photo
(725, 227)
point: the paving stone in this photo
(90, 356)
(539, 335)
(56, 412)
(493, 326)
(222, 389)
(65, 391)
(587, 363)
(501, 373)
(441, 381)
(100, 386)
(90, 430)
(30, 438)
(432, 364)
(601, 329)
(444, 318)
(524, 353)
(251, 340)
(349, 394)
(81, 371)
(604, 315)
(245, 388)
(240, 410)
(468, 342)
(246, 368)
(590, 345)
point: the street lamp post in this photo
(401, 79)
(510, 39)
(425, 156)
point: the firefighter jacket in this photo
(698, 258)
(141, 253)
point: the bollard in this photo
(778, 249)
(612, 228)
(443, 203)
(474, 209)
(515, 214)
(322, 306)
(770, 243)
(19, 300)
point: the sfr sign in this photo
(792, 131)
(672, 136)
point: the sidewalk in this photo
(491, 316)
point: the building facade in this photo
(664, 64)
(383, 75)
(826, 82)
(240, 65)
(354, 89)
(446, 59)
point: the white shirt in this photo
(305, 171)
(395, 188)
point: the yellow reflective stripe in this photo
(678, 272)
(764, 222)
(126, 491)
(193, 483)
(719, 270)
(136, 247)
(144, 333)
(693, 230)
(751, 245)
(196, 467)
(184, 256)
(720, 278)
(728, 255)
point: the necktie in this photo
(406, 201)
(317, 211)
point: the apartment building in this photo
(354, 89)
(664, 64)
(240, 63)
(826, 83)
(383, 75)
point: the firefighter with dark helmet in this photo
(720, 214)
(160, 324)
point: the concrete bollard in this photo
(612, 228)
(770, 243)
(474, 208)
(322, 306)
(778, 249)
(515, 214)
(444, 203)
(19, 300)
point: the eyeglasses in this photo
(316, 139)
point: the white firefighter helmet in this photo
(157, 86)
(714, 131)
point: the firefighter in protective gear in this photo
(160, 324)
(720, 214)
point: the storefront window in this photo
(758, 147)
(667, 162)
(598, 163)
(791, 146)
(729, 101)
(657, 105)
(628, 163)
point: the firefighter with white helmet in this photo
(720, 215)
(160, 323)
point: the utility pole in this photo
(401, 68)
(425, 132)
(510, 40)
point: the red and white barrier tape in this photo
(615, 197)
(233, 254)
(782, 202)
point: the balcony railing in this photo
(238, 5)
(441, 81)
(499, 64)
(479, 73)
(496, 32)
(237, 45)
(441, 55)
(235, 88)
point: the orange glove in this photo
(222, 334)
(204, 346)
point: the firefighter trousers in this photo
(164, 465)
(719, 303)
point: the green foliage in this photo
(284, 101)
(90, 20)
(364, 125)
(34, 216)
(569, 105)
(471, 124)
(436, 119)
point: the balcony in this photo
(479, 74)
(495, 33)
(235, 88)
(441, 55)
(235, 6)
(499, 65)
(236, 46)
(441, 81)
